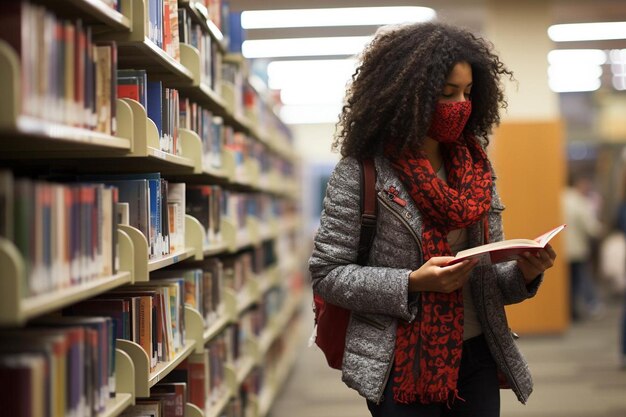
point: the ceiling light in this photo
(619, 83)
(348, 16)
(309, 114)
(577, 57)
(587, 31)
(617, 56)
(312, 94)
(574, 73)
(282, 74)
(568, 86)
(273, 48)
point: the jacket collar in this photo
(386, 180)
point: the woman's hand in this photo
(532, 265)
(434, 276)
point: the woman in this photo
(424, 339)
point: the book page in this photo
(504, 244)
(545, 238)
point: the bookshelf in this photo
(34, 146)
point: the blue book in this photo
(155, 104)
(236, 34)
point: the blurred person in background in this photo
(582, 228)
(424, 339)
(621, 225)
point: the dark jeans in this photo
(478, 387)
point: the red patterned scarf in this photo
(435, 339)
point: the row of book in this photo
(163, 27)
(217, 12)
(150, 314)
(65, 75)
(167, 399)
(73, 80)
(193, 34)
(64, 364)
(66, 233)
(204, 287)
(162, 105)
(153, 205)
(57, 367)
(210, 129)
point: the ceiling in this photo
(471, 14)
(467, 13)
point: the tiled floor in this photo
(576, 375)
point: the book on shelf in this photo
(203, 202)
(176, 210)
(65, 233)
(173, 396)
(22, 384)
(193, 371)
(64, 79)
(145, 306)
(236, 34)
(144, 407)
(133, 84)
(146, 195)
(49, 347)
(118, 309)
(99, 355)
(506, 250)
(6, 205)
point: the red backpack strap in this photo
(368, 209)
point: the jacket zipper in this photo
(489, 325)
(419, 307)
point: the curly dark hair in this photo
(400, 78)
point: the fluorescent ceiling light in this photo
(283, 74)
(348, 16)
(617, 56)
(567, 72)
(312, 94)
(577, 57)
(587, 31)
(268, 48)
(310, 114)
(568, 86)
(619, 83)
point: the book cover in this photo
(6, 204)
(155, 104)
(176, 215)
(506, 250)
(179, 398)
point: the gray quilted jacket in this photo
(377, 294)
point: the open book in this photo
(505, 250)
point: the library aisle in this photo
(576, 375)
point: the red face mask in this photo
(449, 121)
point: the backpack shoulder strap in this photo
(368, 209)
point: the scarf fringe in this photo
(453, 398)
(447, 396)
(404, 397)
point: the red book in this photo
(128, 91)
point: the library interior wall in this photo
(528, 151)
